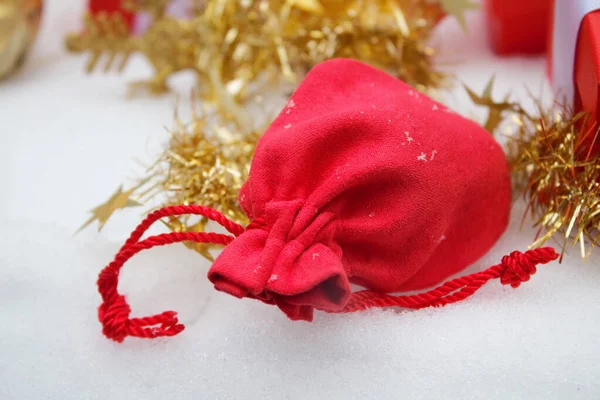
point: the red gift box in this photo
(574, 54)
(587, 65)
(517, 26)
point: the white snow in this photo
(68, 141)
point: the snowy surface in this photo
(68, 141)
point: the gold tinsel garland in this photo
(205, 162)
(555, 162)
(239, 42)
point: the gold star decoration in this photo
(205, 162)
(496, 109)
(117, 201)
(457, 8)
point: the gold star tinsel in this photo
(205, 162)
(554, 155)
(241, 42)
(495, 109)
(457, 8)
(117, 201)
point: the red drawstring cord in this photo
(514, 269)
(114, 311)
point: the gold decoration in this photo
(555, 161)
(241, 42)
(495, 109)
(560, 173)
(457, 9)
(206, 162)
(117, 201)
(19, 24)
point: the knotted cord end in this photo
(114, 311)
(116, 324)
(514, 269)
(518, 267)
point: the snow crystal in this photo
(422, 157)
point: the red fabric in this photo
(587, 67)
(111, 7)
(517, 26)
(362, 179)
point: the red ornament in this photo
(517, 26)
(361, 179)
(112, 7)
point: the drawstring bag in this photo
(361, 180)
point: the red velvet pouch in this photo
(361, 179)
